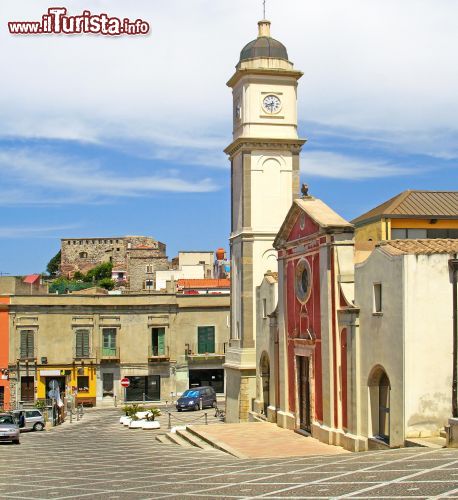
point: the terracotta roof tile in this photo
(31, 279)
(204, 283)
(417, 247)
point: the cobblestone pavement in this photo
(99, 459)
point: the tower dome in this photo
(264, 45)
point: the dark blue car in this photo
(197, 398)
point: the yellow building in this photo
(411, 215)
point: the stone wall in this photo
(126, 253)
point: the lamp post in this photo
(453, 264)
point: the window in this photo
(83, 255)
(109, 341)
(149, 285)
(32, 414)
(69, 242)
(377, 297)
(303, 280)
(27, 344)
(82, 344)
(149, 268)
(206, 339)
(158, 341)
(264, 308)
(82, 383)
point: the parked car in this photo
(197, 398)
(34, 419)
(9, 430)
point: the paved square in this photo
(98, 458)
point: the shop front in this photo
(58, 382)
(143, 388)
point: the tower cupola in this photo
(264, 46)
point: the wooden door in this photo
(27, 389)
(304, 392)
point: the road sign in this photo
(125, 382)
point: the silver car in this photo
(9, 430)
(34, 419)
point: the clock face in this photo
(271, 104)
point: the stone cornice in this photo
(240, 73)
(248, 144)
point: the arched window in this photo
(83, 255)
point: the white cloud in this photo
(377, 67)
(34, 231)
(74, 181)
(338, 166)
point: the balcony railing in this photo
(192, 351)
(109, 353)
(154, 354)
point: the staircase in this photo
(187, 438)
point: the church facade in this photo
(326, 335)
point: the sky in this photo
(110, 136)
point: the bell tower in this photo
(264, 155)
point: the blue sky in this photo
(108, 137)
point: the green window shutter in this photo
(211, 339)
(24, 334)
(85, 347)
(161, 341)
(79, 344)
(206, 339)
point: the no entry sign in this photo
(125, 382)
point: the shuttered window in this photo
(82, 343)
(206, 339)
(158, 341)
(27, 344)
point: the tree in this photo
(53, 266)
(107, 283)
(99, 272)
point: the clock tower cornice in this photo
(248, 144)
(243, 72)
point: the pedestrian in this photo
(21, 420)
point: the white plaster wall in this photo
(428, 344)
(271, 184)
(237, 191)
(382, 337)
(186, 272)
(255, 122)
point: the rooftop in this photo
(264, 45)
(416, 204)
(419, 247)
(204, 283)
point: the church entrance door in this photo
(303, 365)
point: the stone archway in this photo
(379, 399)
(264, 370)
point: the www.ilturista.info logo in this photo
(56, 21)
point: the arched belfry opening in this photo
(379, 397)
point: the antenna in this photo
(264, 8)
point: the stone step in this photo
(199, 432)
(173, 438)
(162, 438)
(194, 440)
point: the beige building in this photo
(264, 157)
(164, 343)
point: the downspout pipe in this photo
(453, 265)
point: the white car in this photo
(9, 430)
